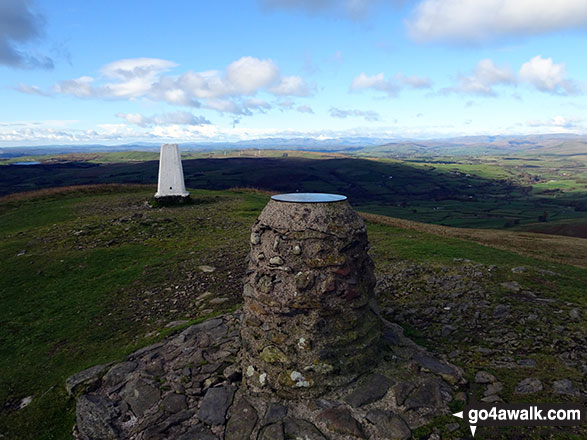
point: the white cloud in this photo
(225, 91)
(31, 90)
(80, 87)
(482, 81)
(542, 73)
(375, 82)
(173, 118)
(413, 81)
(305, 109)
(254, 103)
(247, 75)
(476, 21)
(130, 68)
(369, 115)
(285, 104)
(557, 122)
(547, 76)
(291, 86)
(391, 87)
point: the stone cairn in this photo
(308, 356)
(308, 325)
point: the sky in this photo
(113, 72)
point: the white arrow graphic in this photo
(460, 416)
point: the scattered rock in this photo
(450, 373)
(94, 416)
(500, 310)
(177, 323)
(484, 377)
(564, 386)
(401, 391)
(375, 388)
(447, 330)
(493, 388)
(232, 373)
(529, 386)
(25, 401)
(140, 395)
(527, 363)
(118, 373)
(519, 269)
(427, 395)
(341, 421)
(491, 399)
(389, 425)
(276, 261)
(241, 422)
(452, 427)
(179, 388)
(273, 432)
(512, 286)
(21, 253)
(207, 269)
(574, 314)
(199, 432)
(214, 405)
(174, 403)
(298, 428)
(275, 413)
(87, 377)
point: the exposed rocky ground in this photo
(189, 387)
(508, 344)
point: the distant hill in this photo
(466, 145)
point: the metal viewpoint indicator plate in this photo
(308, 198)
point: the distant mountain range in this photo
(474, 145)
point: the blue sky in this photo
(122, 71)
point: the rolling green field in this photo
(476, 192)
(90, 274)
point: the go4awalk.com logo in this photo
(522, 414)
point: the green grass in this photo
(66, 303)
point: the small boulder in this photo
(529, 386)
(375, 388)
(484, 377)
(341, 421)
(206, 269)
(241, 422)
(389, 425)
(564, 386)
(214, 405)
(298, 428)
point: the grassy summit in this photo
(90, 274)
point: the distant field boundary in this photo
(552, 248)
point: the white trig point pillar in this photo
(171, 184)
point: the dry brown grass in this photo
(83, 189)
(553, 248)
(252, 190)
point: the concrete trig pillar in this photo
(307, 322)
(171, 183)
